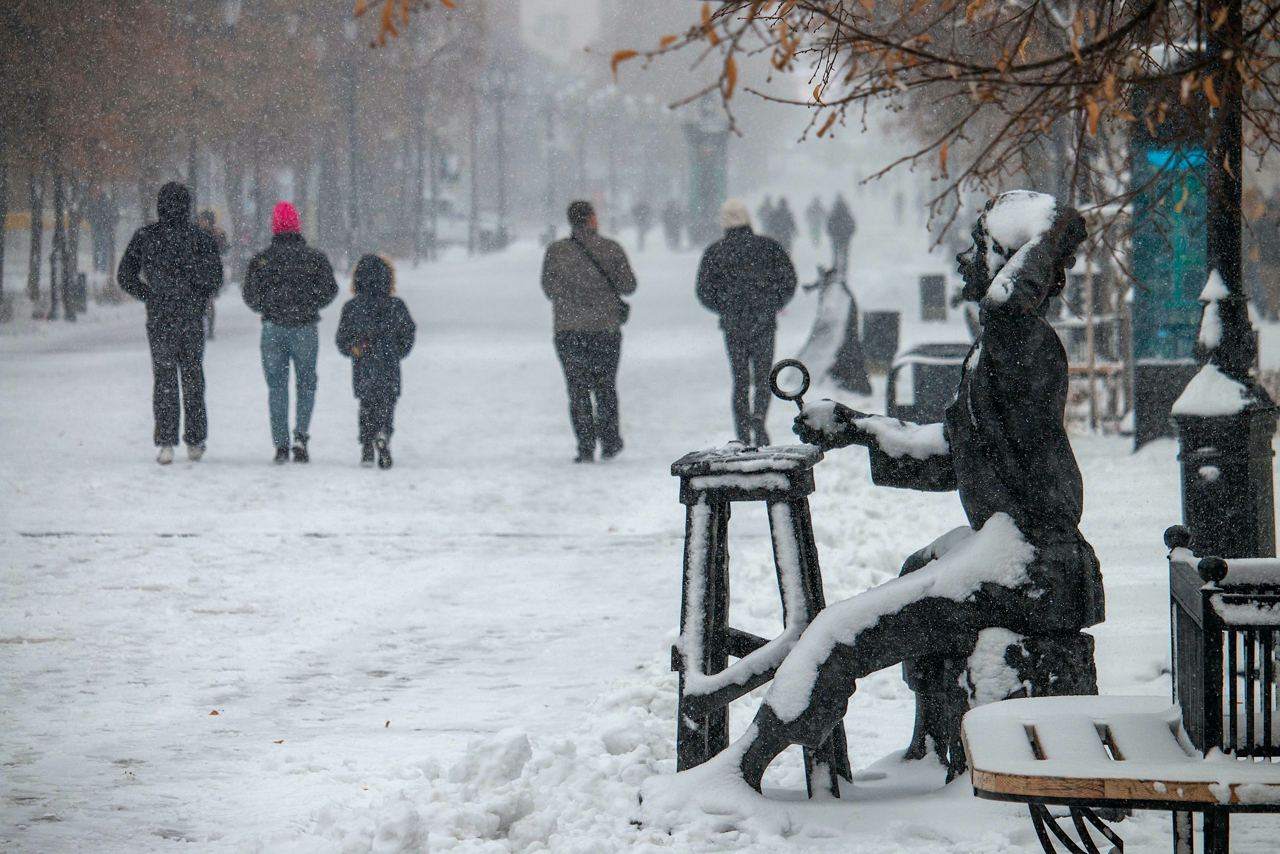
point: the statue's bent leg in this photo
(935, 679)
(929, 626)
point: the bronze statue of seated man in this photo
(1022, 565)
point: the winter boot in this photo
(195, 453)
(282, 455)
(300, 447)
(165, 456)
(381, 443)
(366, 455)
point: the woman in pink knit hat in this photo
(288, 283)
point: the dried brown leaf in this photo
(620, 57)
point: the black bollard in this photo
(1227, 496)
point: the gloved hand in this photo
(828, 425)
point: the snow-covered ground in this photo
(469, 652)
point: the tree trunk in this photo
(329, 193)
(302, 192)
(193, 171)
(36, 182)
(261, 196)
(233, 188)
(419, 182)
(58, 252)
(473, 222)
(433, 219)
(76, 198)
(4, 205)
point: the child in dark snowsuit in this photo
(376, 332)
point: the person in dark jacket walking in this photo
(673, 224)
(173, 267)
(840, 228)
(783, 228)
(747, 278)
(585, 276)
(288, 283)
(376, 333)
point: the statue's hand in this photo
(828, 424)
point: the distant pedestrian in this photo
(747, 278)
(783, 229)
(815, 217)
(288, 283)
(376, 332)
(585, 276)
(103, 215)
(173, 267)
(642, 216)
(764, 217)
(840, 228)
(673, 224)
(208, 221)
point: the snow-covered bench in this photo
(1215, 751)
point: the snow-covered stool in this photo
(710, 481)
(1216, 751)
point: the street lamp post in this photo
(1225, 419)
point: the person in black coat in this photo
(840, 228)
(173, 266)
(747, 278)
(376, 332)
(783, 228)
(288, 283)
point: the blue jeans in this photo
(280, 344)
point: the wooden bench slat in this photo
(1072, 738)
(1141, 738)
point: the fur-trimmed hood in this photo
(375, 276)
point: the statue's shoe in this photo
(711, 798)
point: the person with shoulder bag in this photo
(586, 277)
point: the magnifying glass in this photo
(795, 375)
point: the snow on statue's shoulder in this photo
(1212, 393)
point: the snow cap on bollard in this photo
(284, 219)
(734, 213)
